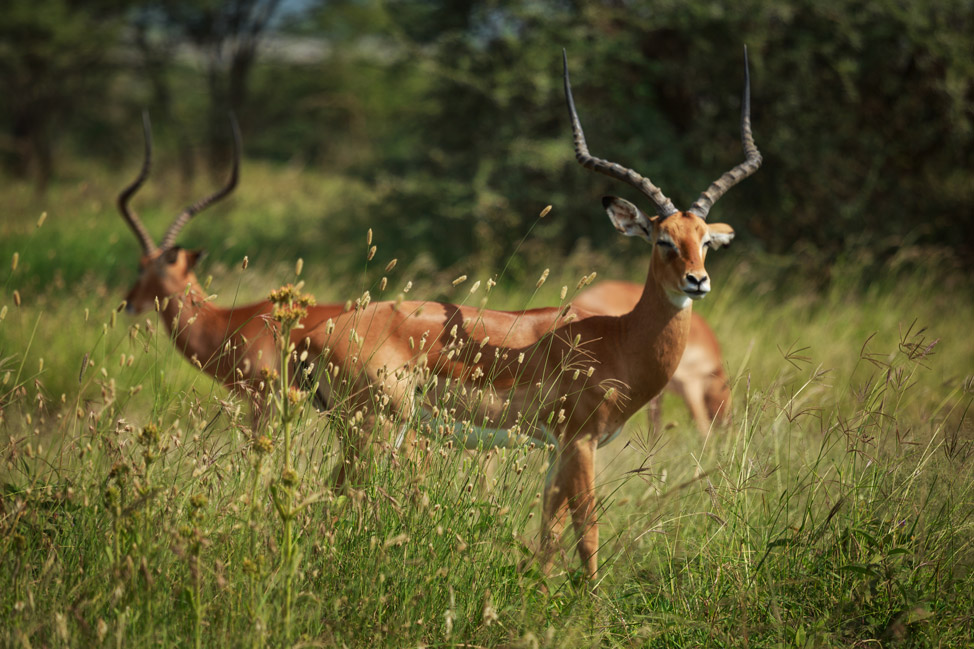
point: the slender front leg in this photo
(574, 486)
(354, 442)
(582, 503)
(654, 415)
(553, 518)
(385, 426)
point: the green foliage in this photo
(453, 115)
(862, 110)
(54, 64)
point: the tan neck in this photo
(652, 339)
(196, 327)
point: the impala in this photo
(236, 345)
(699, 379)
(566, 377)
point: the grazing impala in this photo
(563, 376)
(699, 379)
(236, 345)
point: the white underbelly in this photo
(482, 438)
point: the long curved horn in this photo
(664, 206)
(123, 199)
(751, 154)
(170, 237)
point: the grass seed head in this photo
(118, 471)
(263, 445)
(586, 280)
(248, 567)
(296, 396)
(363, 301)
(289, 477)
(149, 435)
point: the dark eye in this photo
(667, 247)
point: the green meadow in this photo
(137, 509)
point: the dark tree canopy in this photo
(454, 114)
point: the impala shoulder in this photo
(577, 314)
(580, 312)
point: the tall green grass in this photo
(139, 509)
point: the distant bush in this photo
(453, 115)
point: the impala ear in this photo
(721, 234)
(170, 255)
(628, 219)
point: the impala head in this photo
(166, 269)
(680, 238)
(680, 244)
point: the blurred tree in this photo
(54, 56)
(453, 112)
(863, 109)
(227, 35)
(349, 108)
(157, 48)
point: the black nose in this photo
(697, 279)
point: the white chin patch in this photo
(679, 300)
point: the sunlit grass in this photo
(139, 509)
